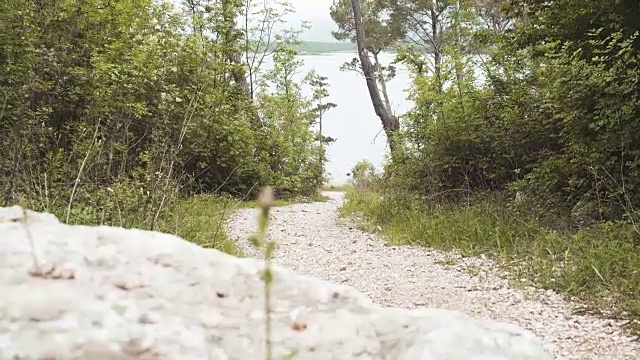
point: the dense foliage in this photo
(556, 119)
(524, 140)
(112, 110)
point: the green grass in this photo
(599, 265)
(254, 203)
(318, 197)
(336, 187)
(200, 219)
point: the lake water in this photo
(353, 122)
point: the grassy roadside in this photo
(201, 219)
(284, 202)
(336, 188)
(598, 265)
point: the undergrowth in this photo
(334, 187)
(316, 197)
(201, 220)
(598, 265)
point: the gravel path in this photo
(312, 240)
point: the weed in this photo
(260, 240)
(201, 220)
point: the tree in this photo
(390, 122)
(293, 152)
(492, 16)
(382, 35)
(571, 23)
(551, 141)
(260, 38)
(117, 110)
(320, 92)
(434, 30)
(423, 24)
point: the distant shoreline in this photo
(335, 47)
(325, 47)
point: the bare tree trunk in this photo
(235, 56)
(437, 51)
(458, 64)
(383, 83)
(320, 148)
(390, 122)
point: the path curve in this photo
(312, 240)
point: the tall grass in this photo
(599, 265)
(201, 219)
(334, 187)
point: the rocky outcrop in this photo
(112, 293)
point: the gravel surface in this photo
(313, 240)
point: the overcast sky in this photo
(317, 13)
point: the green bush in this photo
(598, 264)
(113, 115)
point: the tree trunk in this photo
(458, 61)
(437, 54)
(234, 55)
(383, 83)
(320, 148)
(390, 122)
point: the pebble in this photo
(421, 277)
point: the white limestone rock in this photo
(111, 293)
